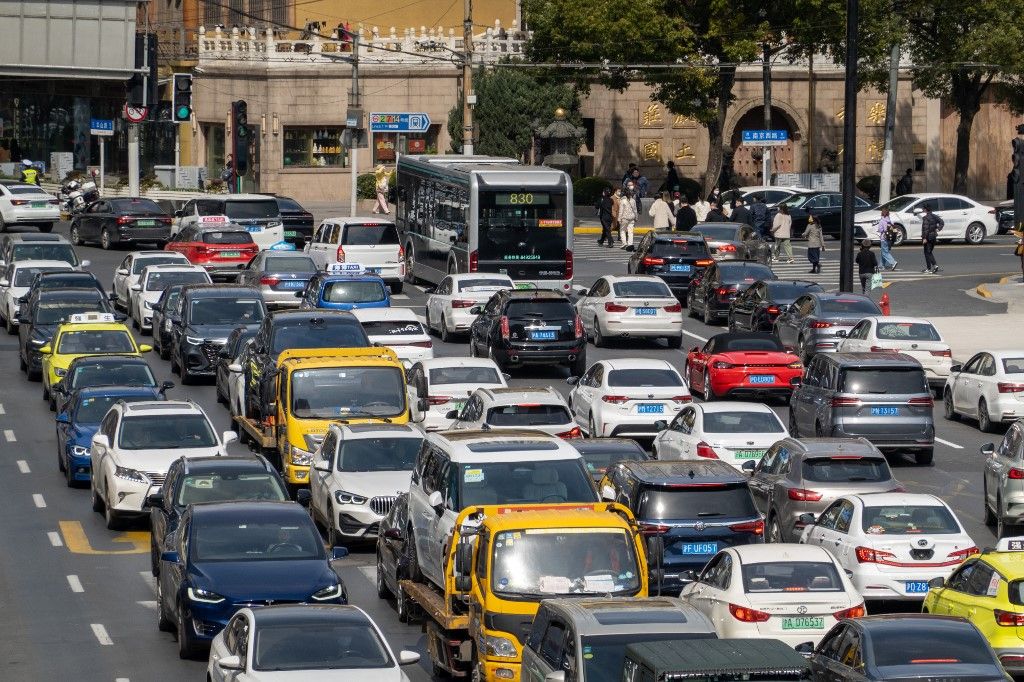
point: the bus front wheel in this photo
(410, 264)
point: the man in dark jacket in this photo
(740, 213)
(715, 215)
(905, 184)
(671, 177)
(759, 214)
(604, 214)
(931, 225)
(686, 217)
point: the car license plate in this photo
(762, 378)
(230, 254)
(698, 548)
(293, 284)
(885, 411)
(373, 271)
(916, 586)
(457, 405)
(749, 454)
(543, 335)
(804, 623)
(650, 408)
(145, 223)
(645, 311)
(676, 267)
(291, 233)
(254, 228)
(38, 204)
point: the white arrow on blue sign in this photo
(101, 126)
(399, 122)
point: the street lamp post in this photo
(849, 149)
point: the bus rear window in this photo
(522, 226)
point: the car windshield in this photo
(369, 235)
(646, 378)
(251, 209)
(791, 576)
(319, 333)
(63, 252)
(224, 539)
(742, 422)
(895, 381)
(110, 374)
(1013, 365)
(598, 462)
(25, 189)
(136, 207)
(52, 313)
(909, 646)
(748, 272)
(225, 487)
(907, 331)
(354, 292)
(100, 341)
(378, 454)
(842, 469)
(833, 306)
(330, 393)
(729, 500)
(899, 203)
(464, 375)
(540, 308)
(393, 328)
(717, 232)
(225, 311)
(68, 280)
(522, 482)
(139, 264)
(170, 299)
(796, 200)
(23, 277)
(320, 646)
(679, 247)
(603, 655)
(226, 237)
(561, 561)
(166, 432)
(908, 519)
(92, 410)
(289, 264)
(158, 281)
(641, 289)
(484, 284)
(783, 292)
(528, 415)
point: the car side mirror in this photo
(454, 239)
(423, 404)
(136, 287)
(988, 449)
(607, 493)
(122, 271)
(303, 497)
(300, 294)
(429, 290)
(476, 310)
(807, 519)
(111, 296)
(580, 291)
(956, 368)
(464, 558)
(436, 501)
(322, 465)
(338, 552)
(235, 367)
(688, 576)
(170, 557)
(749, 466)
(661, 425)
(231, 663)
(166, 386)
(178, 214)
(938, 581)
(555, 676)
(85, 263)
(393, 534)
(451, 414)
(101, 440)
(5, 282)
(46, 350)
(572, 381)
(229, 437)
(408, 657)
(695, 349)
(463, 583)
(155, 500)
(841, 334)
(145, 348)
(62, 418)
(804, 648)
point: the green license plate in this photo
(290, 233)
(749, 454)
(145, 223)
(230, 254)
(38, 204)
(804, 623)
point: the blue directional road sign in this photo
(101, 126)
(765, 138)
(399, 122)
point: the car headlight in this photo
(147, 305)
(193, 340)
(204, 596)
(344, 497)
(301, 457)
(130, 475)
(331, 592)
(499, 646)
(59, 371)
(79, 451)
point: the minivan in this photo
(883, 397)
(371, 242)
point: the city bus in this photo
(484, 214)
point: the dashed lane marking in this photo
(696, 336)
(147, 604)
(9, 435)
(121, 679)
(37, 499)
(2, 410)
(23, 467)
(948, 444)
(55, 538)
(400, 297)
(101, 634)
(75, 584)
(369, 572)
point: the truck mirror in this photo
(463, 583)
(464, 558)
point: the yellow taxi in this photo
(85, 334)
(988, 590)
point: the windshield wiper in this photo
(359, 414)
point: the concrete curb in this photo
(983, 291)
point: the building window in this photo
(214, 150)
(235, 14)
(385, 145)
(280, 12)
(212, 14)
(313, 147)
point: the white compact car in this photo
(908, 335)
(444, 384)
(624, 306)
(373, 242)
(15, 281)
(150, 287)
(627, 397)
(130, 270)
(892, 544)
(963, 218)
(136, 444)
(22, 203)
(734, 432)
(989, 387)
(449, 304)
(543, 409)
(786, 591)
(399, 329)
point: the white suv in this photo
(543, 409)
(371, 242)
(150, 287)
(455, 470)
(136, 444)
(358, 471)
(444, 384)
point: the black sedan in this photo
(600, 453)
(165, 314)
(676, 257)
(393, 557)
(716, 288)
(757, 308)
(121, 221)
(734, 241)
(298, 222)
(826, 207)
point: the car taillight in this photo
(723, 291)
(270, 280)
(682, 399)
(401, 253)
(574, 432)
(704, 262)
(804, 495)
(773, 310)
(880, 349)
(568, 264)
(124, 220)
(340, 254)
(438, 399)
(463, 303)
(614, 399)
(706, 451)
(963, 553)
(721, 364)
(650, 260)
(18, 202)
(674, 308)
(201, 250)
(422, 344)
(474, 261)
(1008, 618)
(928, 402)
(755, 527)
(504, 327)
(868, 555)
(746, 614)
(1015, 474)
(615, 308)
(654, 528)
(796, 365)
(579, 327)
(727, 248)
(1009, 387)
(852, 612)
(847, 402)
(56, 202)
(165, 221)
(942, 353)
(820, 324)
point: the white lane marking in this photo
(400, 297)
(151, 605)
(418, 288)
(147, 577)
(947, 443)
(23, 467)
(38, 500)
(75, 584)
(9, 435)
(2, 410)
(699, 338)
(101, 634)
(121, 679)
(55, 538)
(370, 572)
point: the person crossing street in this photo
(885, 230)
(782, 230)
(931, 225)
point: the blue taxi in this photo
(345, 286)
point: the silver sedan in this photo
(279, 276)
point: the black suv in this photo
(207, 313)
(757, 308)
(715, 289)
(535, 327)
(676, 257)
(41, 314)
(688, 511)
(287, 329)
(165, 312)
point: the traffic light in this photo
(181, 109)
(241, 135)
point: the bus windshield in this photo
(522, 226)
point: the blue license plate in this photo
(293, 284)
(254, 228)
(543, 335)
(375, 271)
(650, 408)
(762, 378)
(675, 267)
(885, 411)
(698, 548)
(645, 311)
(916, 586)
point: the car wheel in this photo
(33, 374)
(60, 458)
(446, 335)
(382, 587)
(415, 574)
(427, 322)
(333, 536)
(163, 623)
(947, 405)
(674, 342)
(990, 517)
(975, 234)
(187, 378)
(793, 429)
(709, 391)
(76, 238)
(732, 323)
(494, 358)
(188, 647)
(46, 392)
(472, 346)
(9, 325)
(154, 557)
(774, 531)
(106, 242)
(924, 458)
(1003, 528)
(599, 339)
(899, 235)
(3, 225)
(592, 427)
(402, 605)
(162, 350)
(707, 317)
(984, 420)
(112, 518)
(819, 431)
(97, 501)
(53, 403)
(578, 367)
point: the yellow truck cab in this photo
(504, 559)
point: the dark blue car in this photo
(228, 555)
(79, 419)
(335, 291)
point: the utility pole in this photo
(354, 112)
(468, 97)
(766, 78)
(812, 106)
(849, 149)
(885, 183)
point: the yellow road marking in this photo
(78, 543)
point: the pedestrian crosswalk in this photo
(588, 250)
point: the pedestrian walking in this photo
(627, 218)
(715, 196)
(715, 214)
(867, 265)
(661, 213)
(885, 239)
(627, 175)
(759, 215)
(931, 225)
(815, 243)
(740, 213)
(616, 202)
(671, 177)
(782, 231)
(604, 208)
(382, 178)
(640, 187)
(905, 184)
(701, 208)
(686, 217)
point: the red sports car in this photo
(737, 363)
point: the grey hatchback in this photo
(805, 476)
(883, 397)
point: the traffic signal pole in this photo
(849, 186)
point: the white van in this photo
(257, 213)
(371, 242)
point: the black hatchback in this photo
(529, 327)
(713, 293)
(676, 257)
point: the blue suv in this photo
(345, 291)
(79, 420)
(225, 556)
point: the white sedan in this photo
(734, 432)
(449, 304)
(786, 591)
(963, 218)
(22, 203)
(304, 641)
(399, 329)
(892, 544)
(909, 335)
(623, 306)
(444, 384)
(626, 397)
(989, 387)
(130, 269)
(15, 282)
(150, 287)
